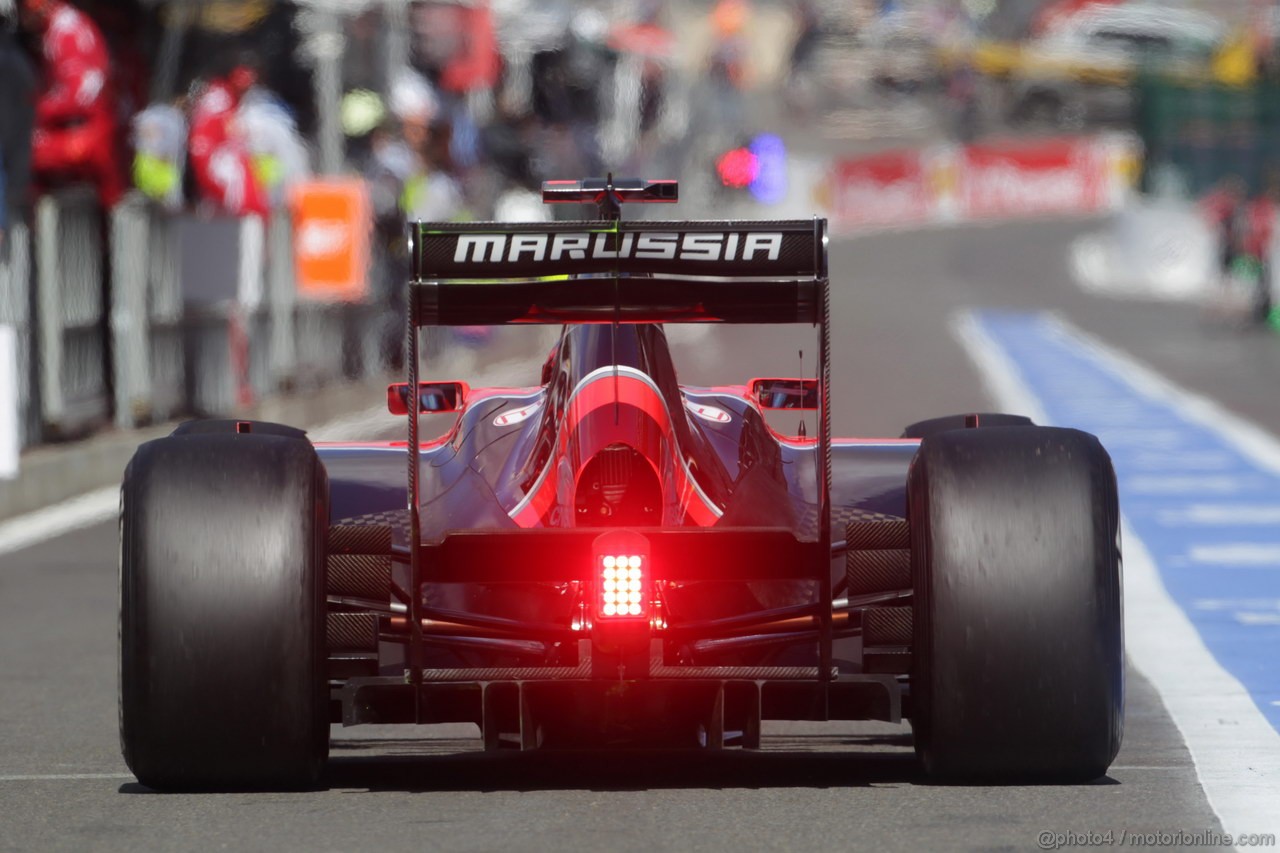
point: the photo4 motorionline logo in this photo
(1050, 840)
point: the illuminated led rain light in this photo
(622, 585)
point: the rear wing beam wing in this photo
(631, 272)
(559, 555)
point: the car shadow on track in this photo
(459, 765)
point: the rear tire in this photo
(222, 612)
(933, 426)
(225, 426)
(1017, 653)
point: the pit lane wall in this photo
(988, 181)
(142, 314)
(114, 324)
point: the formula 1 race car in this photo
(612, 558)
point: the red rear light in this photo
(623, 587)
(623, 578)
(737, 168)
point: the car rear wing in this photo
(726, 271)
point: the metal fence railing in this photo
(71, 299)
(145, 315)
(16, 311)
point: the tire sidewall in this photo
(273, 688)
(1022, 639)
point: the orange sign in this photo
(331, 240)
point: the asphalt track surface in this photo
(63, 785)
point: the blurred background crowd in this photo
(150, 129)
(445, 107)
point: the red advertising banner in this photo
(996, 180)
(883, 189)
(1031, 178)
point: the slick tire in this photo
(933, 426)
(222, 556)
(1017, 652)
(222, 426)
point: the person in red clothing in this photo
(75, 136)
(219, 159)
(1261, 223)
(1245, 226)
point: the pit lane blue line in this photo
(1206, 509)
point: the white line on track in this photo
(999, 376)
(1232, 515)
(357, 426)
(103, 504)
(1251, 440)
(94, 507)
(1235, 750)
(1245, 555)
